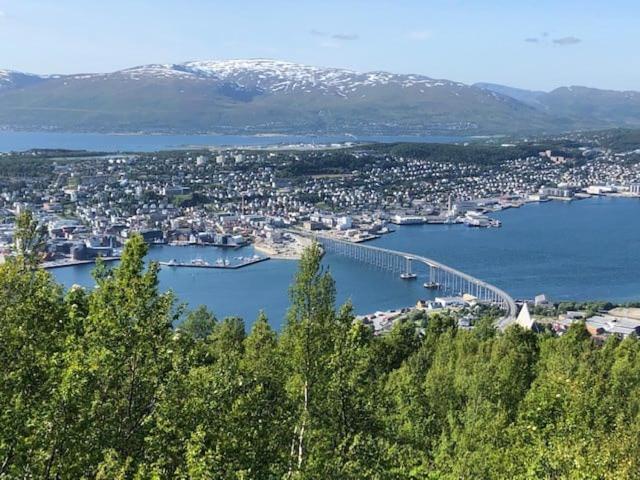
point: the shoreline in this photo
(393, 294)
(74, 263)
(275, 254)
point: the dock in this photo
(364, 238)
(50, 265)
(222, 266)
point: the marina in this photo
(220, 263)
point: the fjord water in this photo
(111, 142)
(581, 250)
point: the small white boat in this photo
(198, 262)
(408, 276)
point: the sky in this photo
(540, 44)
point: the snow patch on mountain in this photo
(276, 76)
(12, 78)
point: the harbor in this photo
(536, 250)
(219, 264)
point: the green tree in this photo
(307, 342)
(116, 369)
(98, 384)
(32, 348)
(29, 238)
(199, 323)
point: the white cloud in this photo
(567, 41)
(420, 35)
(334, 36)
(345, 36)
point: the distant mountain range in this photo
(581, 107)
(268, 96)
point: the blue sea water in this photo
(581, 250)
(105, 142)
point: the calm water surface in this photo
(581, 250)
(104, 142)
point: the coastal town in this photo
(229, 198)
(277, 199)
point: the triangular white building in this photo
(524, 318)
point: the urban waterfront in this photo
(580, 250)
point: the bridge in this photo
(440, 276)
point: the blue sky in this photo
(531, 44)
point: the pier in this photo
(439, 276)
(69, 262)
(223, 266)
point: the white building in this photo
(344, 223)
(446, 302)
(524, 318)
(599, 189)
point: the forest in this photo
(122, 382)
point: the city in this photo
(91, 204)
(273, 198)
(319, 240)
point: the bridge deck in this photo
(445, 277)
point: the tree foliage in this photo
(108, 384)
(30, 239)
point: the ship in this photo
(474, 219)
(408, 276)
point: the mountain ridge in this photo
(264, 95)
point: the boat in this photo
(198, 262)
(480, 221)
(171, 263)
(431, 285)
(408, 276)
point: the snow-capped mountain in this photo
(278, 76)
(13, 79)
(275, 76)
(263, 95)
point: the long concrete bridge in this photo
(440, 276)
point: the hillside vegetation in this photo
(101, 384)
